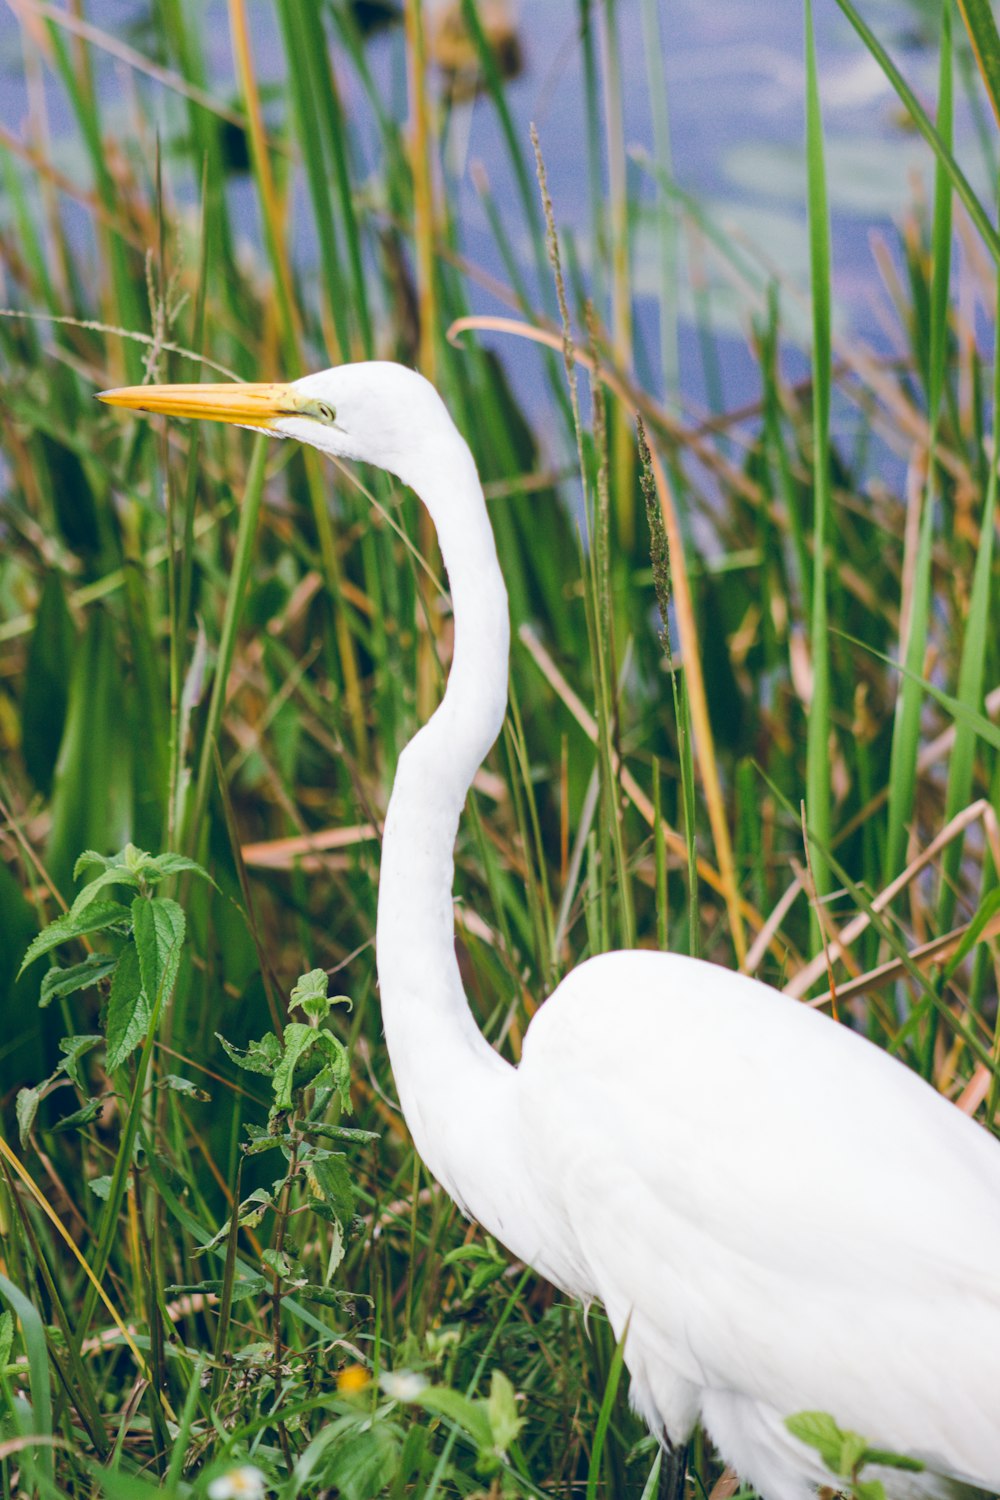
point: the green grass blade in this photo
(818, 792)
(621, 442)
(666, 225)
(978, 635)
(983, 727)
(906, 730)
(977, 213)
(300, 56)
(33, 1333)
(195, 832)
(980, 23)
(604, 1415)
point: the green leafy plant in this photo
(138, 974)
(491, 1422)
(309, 1070)
(847, 1454)
(362, 1445)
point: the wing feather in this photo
(780, 1208)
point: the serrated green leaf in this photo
(501, 1409)
(80, 976)
(128, 1009)
(26, 1108)
(337, 1063)
(159, 926)
(363, 1461)
(309, 994)
(333, 1180)
(285, 1266)
(470, 1252)
(135, 859)
(298, 1042)
(247, 1286)
(176, 864)
(260, 1352)
(327, 1296)
(254, 1206)
(335, 1242)
(91, 857)
(484, 1276)
(81, 1117)
(467, 1414)
(114, 875)
(261, 1057)
(96, 918)
(852, 1452)
(248, 1216)
(101, 1186)
(340, 1133)
(265, 1141)
(819, 1431)
(217, 1238)
(76, 1047)
(868, 1489)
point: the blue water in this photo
(735, 92)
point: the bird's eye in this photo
(325, 413)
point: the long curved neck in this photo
(451, 1083)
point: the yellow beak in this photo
(256, 405)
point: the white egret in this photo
(776, 1215)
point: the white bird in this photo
(776, 1215)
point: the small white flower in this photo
(402, 1385)
(244, 1483)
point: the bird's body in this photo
(776, 1215)
(821, 1228)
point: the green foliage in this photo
(846, 1454)
(6, 1339)
(97, 917)
(28, 1099)
(44, 707)
(309, 1072)
(36, 1421)
(141, 973)
(262, 1056)
(310, 994)
(129, 1012)
(818, 785)
(215, 646)
(982, 28)
(82, 976)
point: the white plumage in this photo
(781, 1215)
(821, 1227)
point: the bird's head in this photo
(375, 412)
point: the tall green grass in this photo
(217, 646)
